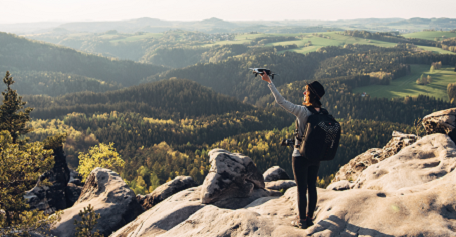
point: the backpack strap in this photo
(314, 111)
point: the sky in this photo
(29, 11)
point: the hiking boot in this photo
(309, 222)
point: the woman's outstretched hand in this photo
(265, 77)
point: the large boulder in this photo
(165, 215)
(166, 190)
(110, 196)
(51, 198)
(231, 175)
(408, 194)
(275, 173)
(354, 167)
(443, 121)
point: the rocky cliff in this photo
(404, 189)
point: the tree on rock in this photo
(88, 221)
(13, 115)
(104, 156)
(21, 164)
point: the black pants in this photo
(305, 174)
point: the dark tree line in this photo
(166, 99)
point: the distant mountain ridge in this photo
(217, 25)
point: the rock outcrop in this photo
(280, 184)
(51, 198)
(111, 198)
(353, 169)
(75, 178)
(164, 191)
(408, 194)
(275, 173)
(231, 175)
(443, 121)
(164, 216)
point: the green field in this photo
(329, 39)
(406, 86)
(430, 35)
(435, 50)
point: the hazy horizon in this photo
(47, 11)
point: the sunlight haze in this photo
(27, 11)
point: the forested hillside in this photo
(176, 98)
(20, 54)
(232, 77)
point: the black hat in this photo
(317, 88)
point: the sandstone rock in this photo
(72, 193)
(339, 185)
(408, 194)
(275, 173)
(353, 169)
(280, 184)
(443, 121)
(430, 158)
(240, 202)
(231, 175)
(164, 191)
(176, 209)
(165, 215)
(111, 198)
(51, 198)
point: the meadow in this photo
(430, 35)
(406, 86)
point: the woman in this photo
(304, 171)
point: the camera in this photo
(288, 142)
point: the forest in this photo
(186, 95)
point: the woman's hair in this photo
(311, 99)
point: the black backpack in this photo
(320, 139)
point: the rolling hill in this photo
(21, 54)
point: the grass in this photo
(430, 35)
(435, 50)
(406, 86)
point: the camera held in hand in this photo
(288, 142)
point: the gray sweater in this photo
(301, 112)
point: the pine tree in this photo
(88, 221)
(21, 164)
(13, 116)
